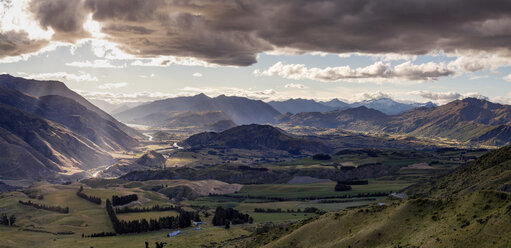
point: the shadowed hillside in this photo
(39, 88)
(256, 137)
(239, 109)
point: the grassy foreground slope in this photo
(470, 207)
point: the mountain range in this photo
(384, 105)
(43, 135)
(213, 120)
(240, 110)
(467, 120)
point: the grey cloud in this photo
(233, 32)
(14, 43)
(446, 96)
(65, 17)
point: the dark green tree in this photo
(12, 220)
(4, 220)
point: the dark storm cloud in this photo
(65, 17)
(233, 32)
(14, 43)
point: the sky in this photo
(143, 50)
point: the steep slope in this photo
(35, 148)
(469, 207)
(256, 137)
(469, 119)
(240, 110)
(39, 88)
(299, 105)
(73, 116)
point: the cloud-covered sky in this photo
(422, 50)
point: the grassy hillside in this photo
(470, 207)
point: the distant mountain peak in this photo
(201, 95)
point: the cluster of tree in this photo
(92, 199)
(274, 198)
(122, 200)
(184, 219)
(354, 182)
(342, 187)
(101, 234)
(244, 167)
(158, 244)
(313, 210)
(7, 221)
(344, 200)
(321, 157)
(224, 217)
(155, 208)
(58, 209)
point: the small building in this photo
(196, 223)
(173, 234)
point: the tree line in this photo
(155, 208)
(274, 198)
(123, 200)
(93, 199)
(224, 216)
(58, 209)
(279, 210)
(101, 234)
(184, 219)
(7, 221)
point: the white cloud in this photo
(117, 98)
(147, 76)
(197, 74)
(165, 61)
(446, 96)
(370, 96)
(233, 91)
(377, 72)
(507, 78)
(98, 63)
(145, 96)
(63, 76)
(110, 86)
(14, 17)
(295, 86)
(472, 62)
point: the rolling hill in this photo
(239, 109)
(470, 207)
(256, 137)
(206, 120)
